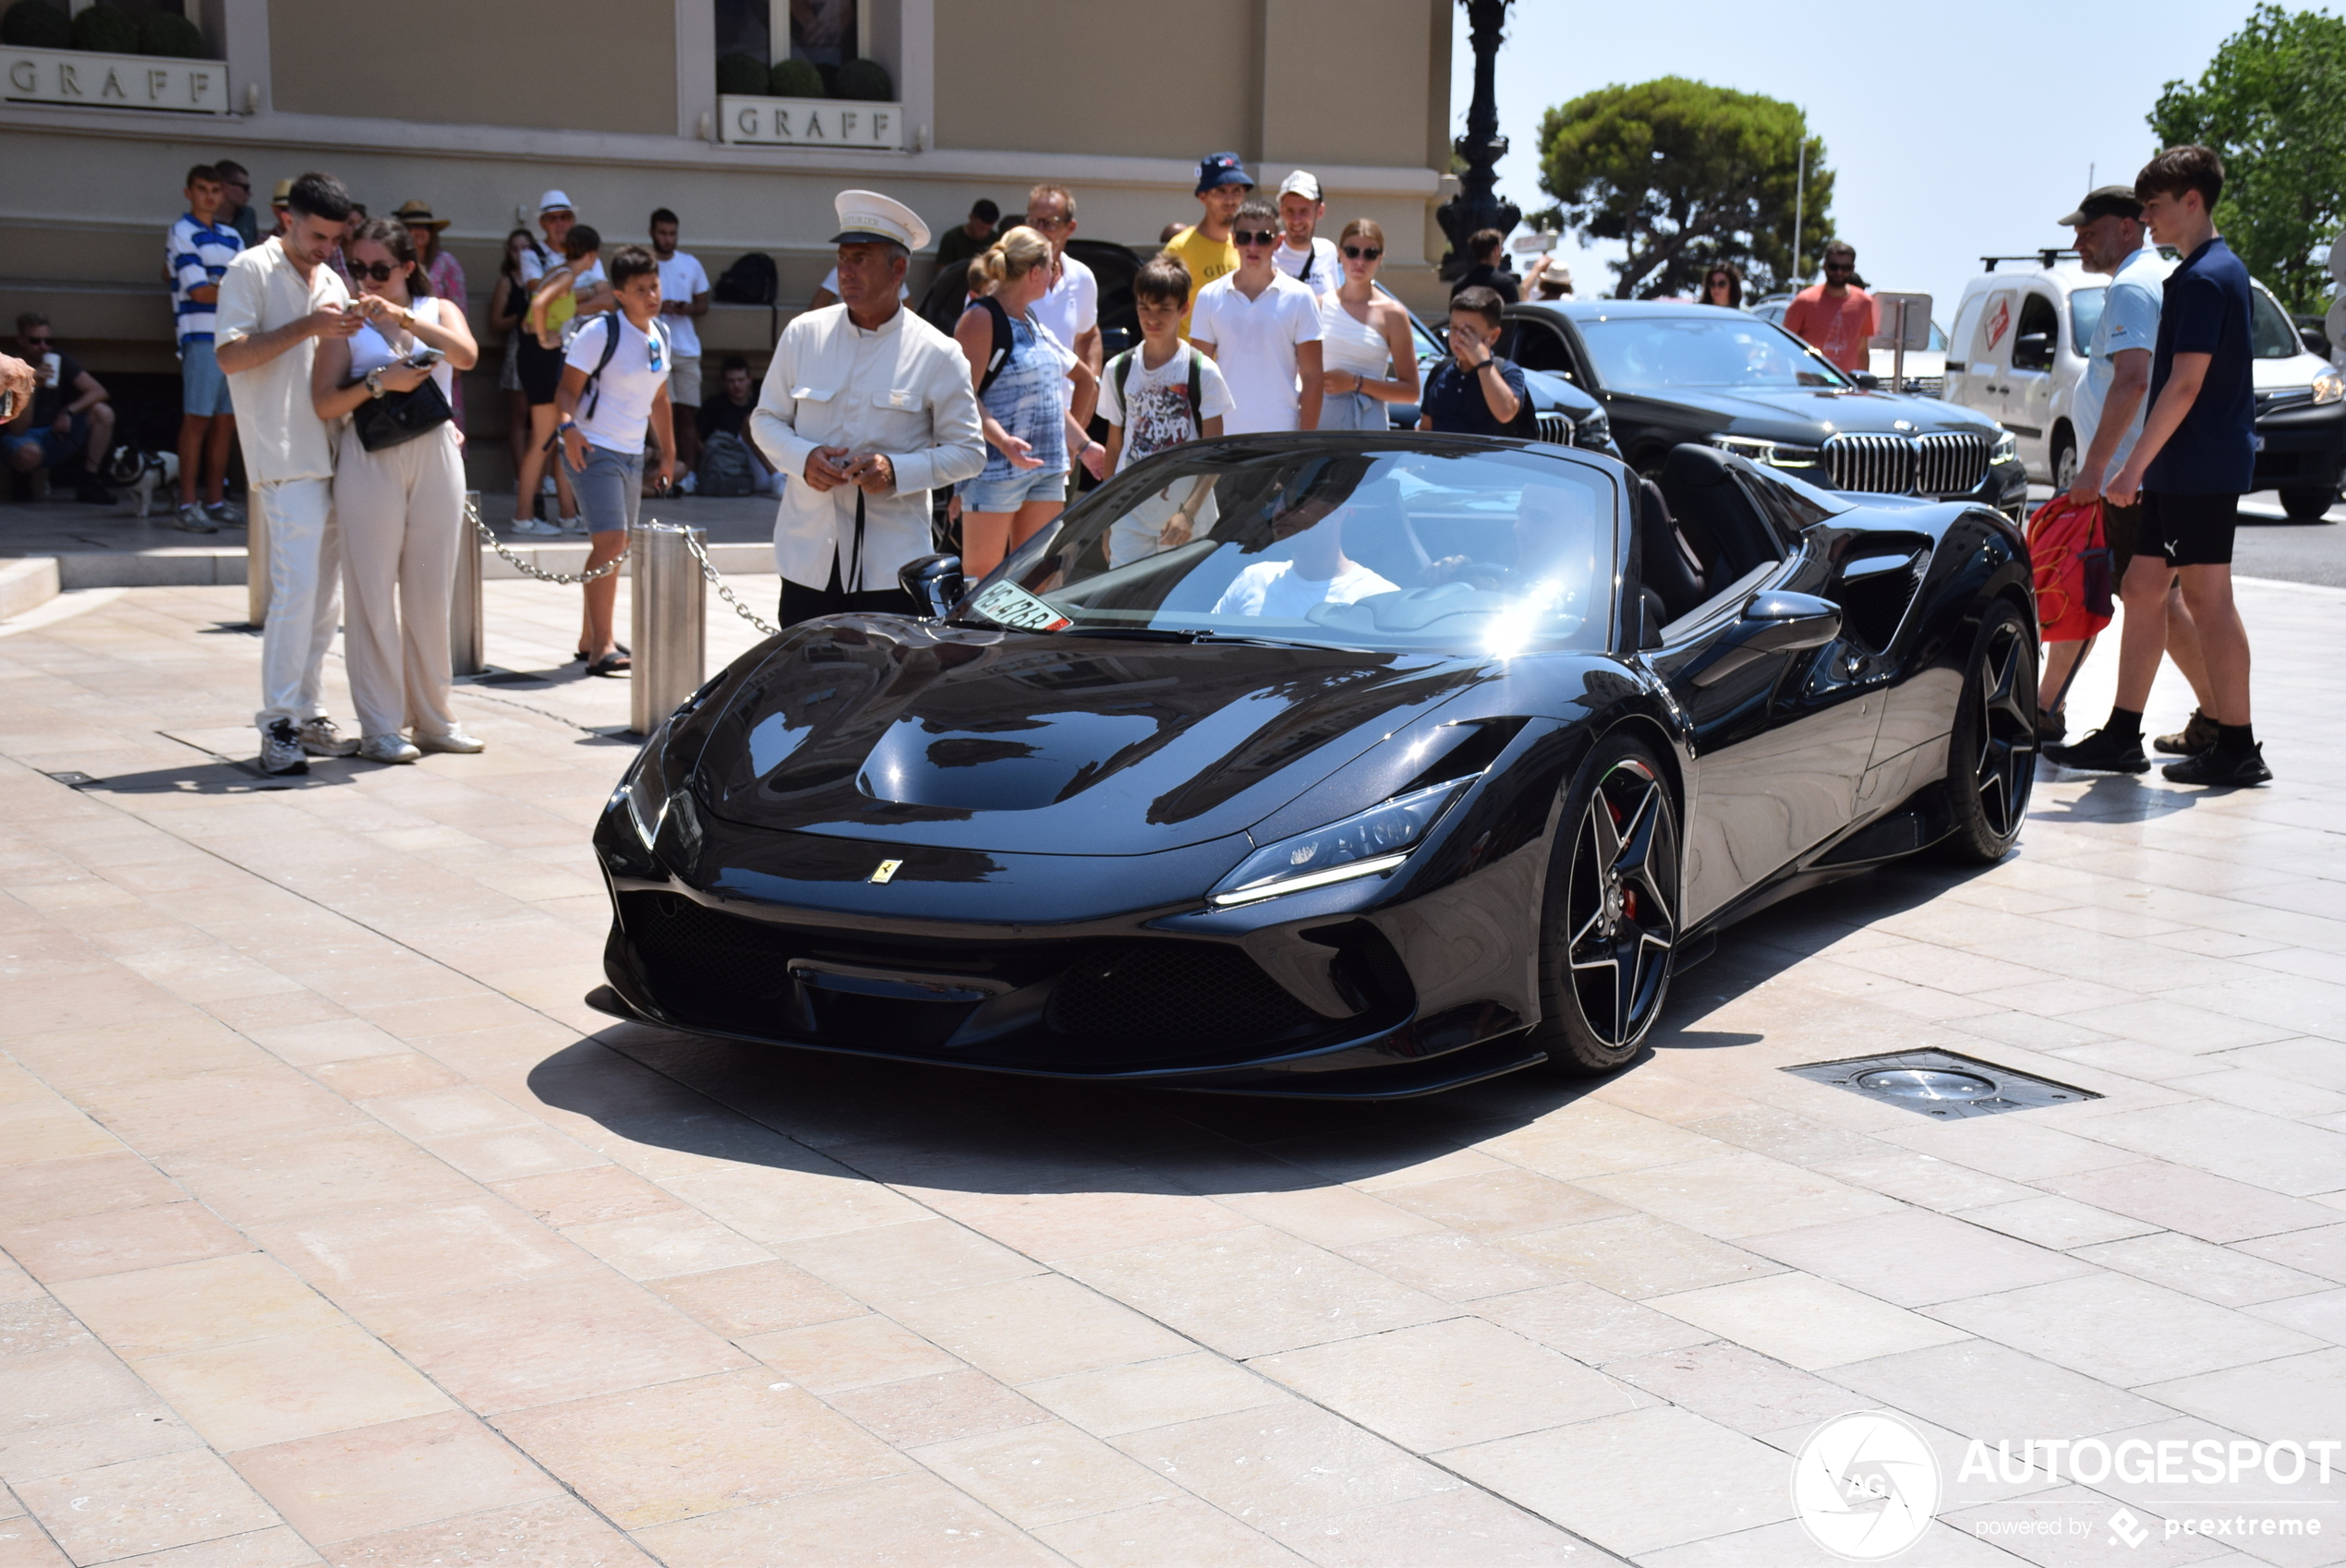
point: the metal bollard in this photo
(256, 559)
(670, 614)
(468, 634)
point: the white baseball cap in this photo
(554, 201)
(868, 215)
(1302, 182)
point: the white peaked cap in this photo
(867, 214)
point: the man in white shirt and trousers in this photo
(867, 408)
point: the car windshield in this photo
(1722, 348)
(2272, 334)
(1380, 542)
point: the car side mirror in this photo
(2033, 351)
(935, 583)
(2314, 341)
(1866, 380)
(1773, 621)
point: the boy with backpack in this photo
(1155, 397)
(614, 388)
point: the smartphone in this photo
(425, 357)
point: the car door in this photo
(1989, 361)
(1782, 737)
(2028, 383)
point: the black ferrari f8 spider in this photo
(1345, 766)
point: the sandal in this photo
(614, 663)
(583, 656)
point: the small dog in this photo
(144, 473)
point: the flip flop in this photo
(614, 663)
(583, 656)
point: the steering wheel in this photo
(1486, 574)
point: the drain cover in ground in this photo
(1940, 1083)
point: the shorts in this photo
(1353, 411)
(55, 450)
(1013, 490)
(2190, 530)
(203, 391)
(683, 381)
(541, 370)
(2122, 530)
(509, 373)
(609, 489)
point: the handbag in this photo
(396, 418)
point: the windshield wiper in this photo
(1136, 633)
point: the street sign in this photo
(1905, 320)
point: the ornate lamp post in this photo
(1478, 204)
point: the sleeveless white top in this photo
(369, 350)
(1349, 343)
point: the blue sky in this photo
(1954, 134)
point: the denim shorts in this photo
(203, 389)
(56, 450)
(1009, 495)
(609, 489)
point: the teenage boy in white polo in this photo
(277, 300)
(612, 393)
(1263, 328)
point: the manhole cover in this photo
(1940, 1083)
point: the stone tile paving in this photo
(338, 1230)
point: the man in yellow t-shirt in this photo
(1204, 248)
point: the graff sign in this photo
(114, 81)
(810, 122)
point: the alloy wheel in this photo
(2006, 764)
(1618, 910)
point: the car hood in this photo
(912, 733)
(1811, 415)
(2286, 375)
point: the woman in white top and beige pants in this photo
(401, 509)
(1363, 332)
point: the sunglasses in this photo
(1361, 253)
(1034, 222)
(1841, 266)
(1255, 236)
(381, 271)
(41, 342)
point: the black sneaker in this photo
(2191, 739)
(2101, 753)
(2211, 766)
(91, 491)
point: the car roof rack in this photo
(2045, 258)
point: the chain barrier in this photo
(562, 579)
(724, 589)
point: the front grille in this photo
(1113, 1002)
(1166, 993)
(1946, 464)
(1555, 428)
(1881, 464)
(1952, 463)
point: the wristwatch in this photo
(374, 380)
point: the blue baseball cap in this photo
(1218, 169)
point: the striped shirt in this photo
(197, 254)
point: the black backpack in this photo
(751, 280)
(1004, 341)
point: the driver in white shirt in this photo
(1316, 572)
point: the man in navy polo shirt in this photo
(2196, 459)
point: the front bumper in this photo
(1341, 992)
(2302, 447)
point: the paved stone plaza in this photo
(341, 1231)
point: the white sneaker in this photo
(387, 749)
(535, 525)
(688, 484)
(320, 739)
(576, 527)
(281, 748)
(454, 741)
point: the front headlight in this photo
(646, 794)
(1770, 454)
(1593, 430)
(2328, 387)
(1361, 845)
(2006, 450)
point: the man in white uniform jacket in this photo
(866, 408)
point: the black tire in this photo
(1609, 924)
(2307, 506)
(1991, 755)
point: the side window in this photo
(1966, 323)
(1539, 346)
(1996, 321)
(2038, 334)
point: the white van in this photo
(2018, 352)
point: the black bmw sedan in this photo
(1668, 373)
(1323, 766)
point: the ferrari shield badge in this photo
(887, 870)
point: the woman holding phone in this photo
(401, 507)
